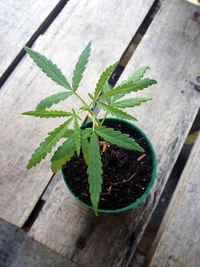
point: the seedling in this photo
(87, 141)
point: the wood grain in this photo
(111, 25)
(179, 239)
(171, 48)
(18, 22)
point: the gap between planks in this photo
(42, 28)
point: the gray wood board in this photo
(179, 240)
(18, 22)
(171, 48)
(111, 25)
(19, 250)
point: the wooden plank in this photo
(179, 239)
(171, 48)
(17, 249)
(18, 22)
(111, 25)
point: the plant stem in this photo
(104, 118)
(90, 111)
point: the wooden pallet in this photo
(78, 23)
(72, 230)
(178, 240)
(171, 48)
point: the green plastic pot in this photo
(153, 176)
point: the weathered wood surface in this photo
(179, 239)
(18, 22)
(171, 47)
(111, 25)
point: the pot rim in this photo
(153, 175)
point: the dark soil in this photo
(125, 177)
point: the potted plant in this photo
(108, 164)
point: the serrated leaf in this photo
(68, 146)
(53, 99)
(77, 136)
(115, 111)
(48, 67)
(136, 75)
(106, 88)
(80, 66)
(130, 102)
(58, 164)
(94, 171)
(48, 113)
(68, 133)
(85, 145)
(118, 138)
(65, 149)
(104, 77)
(83, 109)
(86, 132)
(46, 146)
(128, 88)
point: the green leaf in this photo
(85, 145)
(118, 138)
(57, 164)
(68, 145)
(48, 67)
(65, 149)
(84, 109)
(128, 88)
(48, 113)
(68, 133)
(53, 99)
(130, 102)
(77, 136)
(106, 88)
(94, 172)
(80, 66)
(115, 111)
(104, 77)
(136, 75)
(46, 146)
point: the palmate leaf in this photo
(46, 146)
(94, 172)
(130, 102)
(48, 67)
(58, 164)
(68, 133)
(77, 136)
(48, 113)
(106, 88)
(80, 66)
(136, 75)
(128, 88)
(115, 111)
(65, 152)
(104, 77)
(53, 99)
(64, 149)
(85, 145)
(118, 138)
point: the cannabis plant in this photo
(86, 141)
